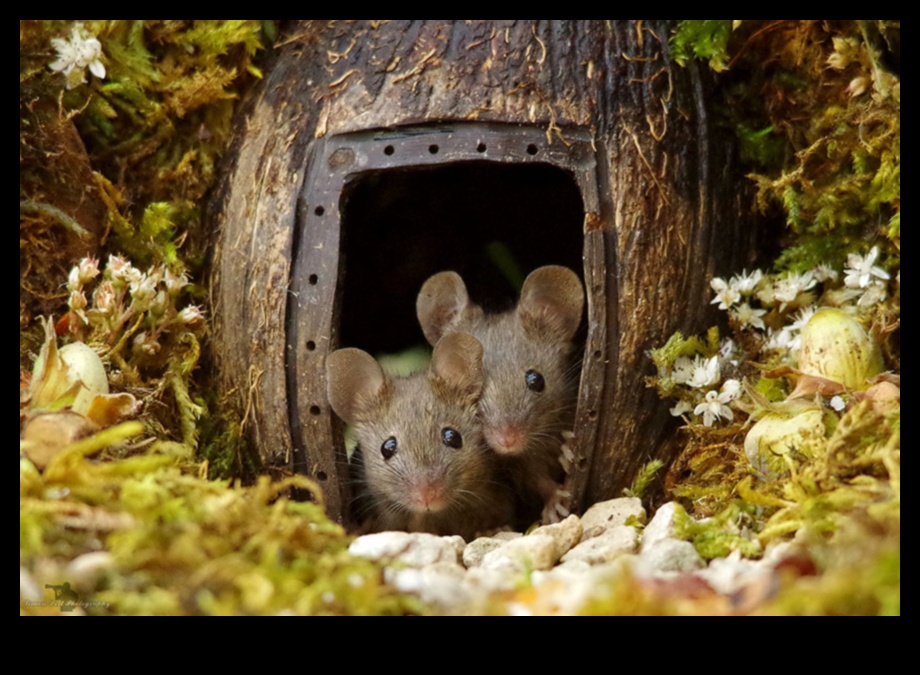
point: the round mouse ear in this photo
(456, 369)
(552, 302)
(355, 384)
(441, 305)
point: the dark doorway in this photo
(491, 222)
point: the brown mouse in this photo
(528, 402)
(425, 466)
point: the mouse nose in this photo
(428, 496)
(506, 439)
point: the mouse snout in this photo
(506, 438)
(427, 496)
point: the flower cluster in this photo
(127, 298)
(76, 54)
(768, 314)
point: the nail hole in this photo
(319, 210)
(389, 150)
(313, 279)
(311, 346)
(481, 147)
(434, 149)
(315, 410)
(597, 354)
(322, 477)
(532, 149)
(592, 415)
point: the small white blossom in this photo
(747, 316)
(76, 54)
(838, 404)
(77, 301)
(714, 409)
(175, 282)
(791, 286)
(146, 344)
(876, 292)
(191, 316)
(73, 280)
(861, 269)
(88, 269)
(104, 298)
(705, 372)
(802, 318)
(731, 389)
(727, 351)
(681, 408)
(726, 294)
(143, 291)
(746, 284)
(784, 340)
(825, 273)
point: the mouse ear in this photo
(552, 302)
(356, 385)
(456, 369)
(442, 305)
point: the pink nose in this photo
(507, 439)
(429, 496)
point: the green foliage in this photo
(706, 40)
(645, 478)
(175, 543)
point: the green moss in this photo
(706, 40)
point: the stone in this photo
(534, 552)
(412, 549)
(476, 551)
(664, 525)
(565, 535)
(610, 515)
(605, 547)
(668, 556)
(441, 584)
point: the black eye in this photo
(452, 438)
(535, 381)
(389, 447)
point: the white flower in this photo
(143, 291)
(715, 409)
(825, 273)
(802, 318)
(747, 284)
(731, 389)
(81, 51)
(726, 294)
(876, 292)
(705, 372)
(175, 282)
(747, 316)
(860, 270)
(727, 351)
(191, 315)
(838, 404)
(791, 286)
(784, 340)
(681, 408)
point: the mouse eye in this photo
(389, 447)
(452, 438)
(535, 381)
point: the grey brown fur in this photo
(426, 486)
(522, 426)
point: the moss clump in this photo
(164, 540)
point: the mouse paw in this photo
(567, 456)
(554, 510)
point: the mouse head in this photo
(420, 439)
(527, 352)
